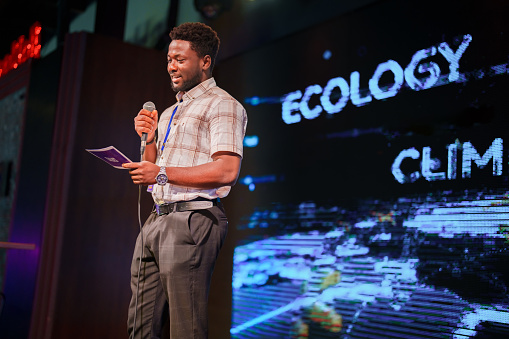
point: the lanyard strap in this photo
(169, 127)
(150, 188)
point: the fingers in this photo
(131, 165)
(142, 173)
(142, 126)
(152, 115)
(148, 116)
(145, 121)
(137, 179)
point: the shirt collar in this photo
(197, 90)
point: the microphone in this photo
(149, 106)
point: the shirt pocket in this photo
(190, 133)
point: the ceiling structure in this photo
(16, 17)
(241, 24)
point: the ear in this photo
(207, 62)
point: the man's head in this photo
(191, 55)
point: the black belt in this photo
(181, 206)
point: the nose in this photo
(172, 66)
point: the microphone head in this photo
(149, 106)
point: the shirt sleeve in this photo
(228, 127)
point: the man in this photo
(196, 160)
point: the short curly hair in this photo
(203, 39)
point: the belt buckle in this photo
(163, 209)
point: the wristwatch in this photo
(162, 178)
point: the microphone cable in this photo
(149, 106)
(141, 253)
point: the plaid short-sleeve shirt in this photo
(207, 120)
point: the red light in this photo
(21, 50)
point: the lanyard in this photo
(169, 127)
(150, 188)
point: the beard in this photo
(187, 84)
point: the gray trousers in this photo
(180, 251)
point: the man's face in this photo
(184, 66)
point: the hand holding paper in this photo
(142, 173)
(111, 156)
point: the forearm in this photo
(150, 152)
(223, 171)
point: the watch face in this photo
(161, 179)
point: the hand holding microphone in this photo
(145, 124)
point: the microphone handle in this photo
(143, 144)
(149, 106)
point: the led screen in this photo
(373, 200)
